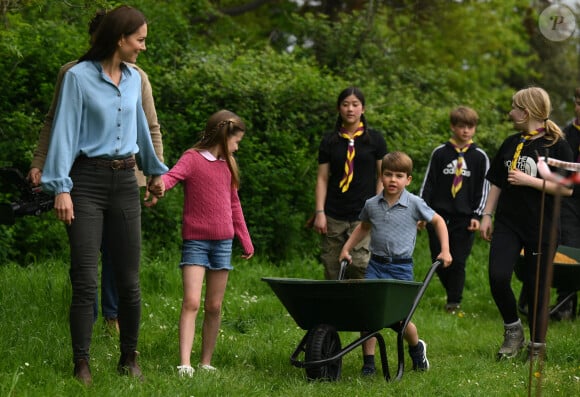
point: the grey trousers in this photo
(106, 205)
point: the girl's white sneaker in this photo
(185, 371)
(207, 367)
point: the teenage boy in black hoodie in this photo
(456, 188)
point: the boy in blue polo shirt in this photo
(391, 219)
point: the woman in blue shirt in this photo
(99, 131)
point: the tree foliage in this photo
(279, 64)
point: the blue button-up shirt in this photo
(394, 228)
(96, 118)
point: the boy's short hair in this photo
(577, 92)
(397, 162)
(464, 115)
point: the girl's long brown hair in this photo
(220, 126)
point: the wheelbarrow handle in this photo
(342, 271)
(426, 281)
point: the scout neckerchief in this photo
(524, 137)
(458, 178)
(349, 164)
(577, 126)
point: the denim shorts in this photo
(211, 254)
(393, 271)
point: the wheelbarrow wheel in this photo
(323, 342)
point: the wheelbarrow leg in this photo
(382, 350)
(401, 333)
(563, 302)
(421, 292)
(400, 354)
(301, 348)
(384, 360)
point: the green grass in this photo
(258, 336)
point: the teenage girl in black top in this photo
(342, 187)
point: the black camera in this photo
(30, 200)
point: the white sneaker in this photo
(185, 371)
(207, 367)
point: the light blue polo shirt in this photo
(394, 229)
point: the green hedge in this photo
(403, 65)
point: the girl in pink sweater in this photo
(212, 215)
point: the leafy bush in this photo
(27, 89)
(412, 72)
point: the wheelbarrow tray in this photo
(566, 268)
(566, 276)
(565, 273)
(348, 305)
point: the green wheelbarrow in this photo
(565, 275)
(325, 307)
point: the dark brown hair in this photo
(120, 22)
(96, 21)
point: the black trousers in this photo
(106, 206)
(503, 254)
(460, 244)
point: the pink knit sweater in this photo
(211, 208)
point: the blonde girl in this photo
(515, 203)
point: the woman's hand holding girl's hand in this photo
(156, 186)
(149, 200)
